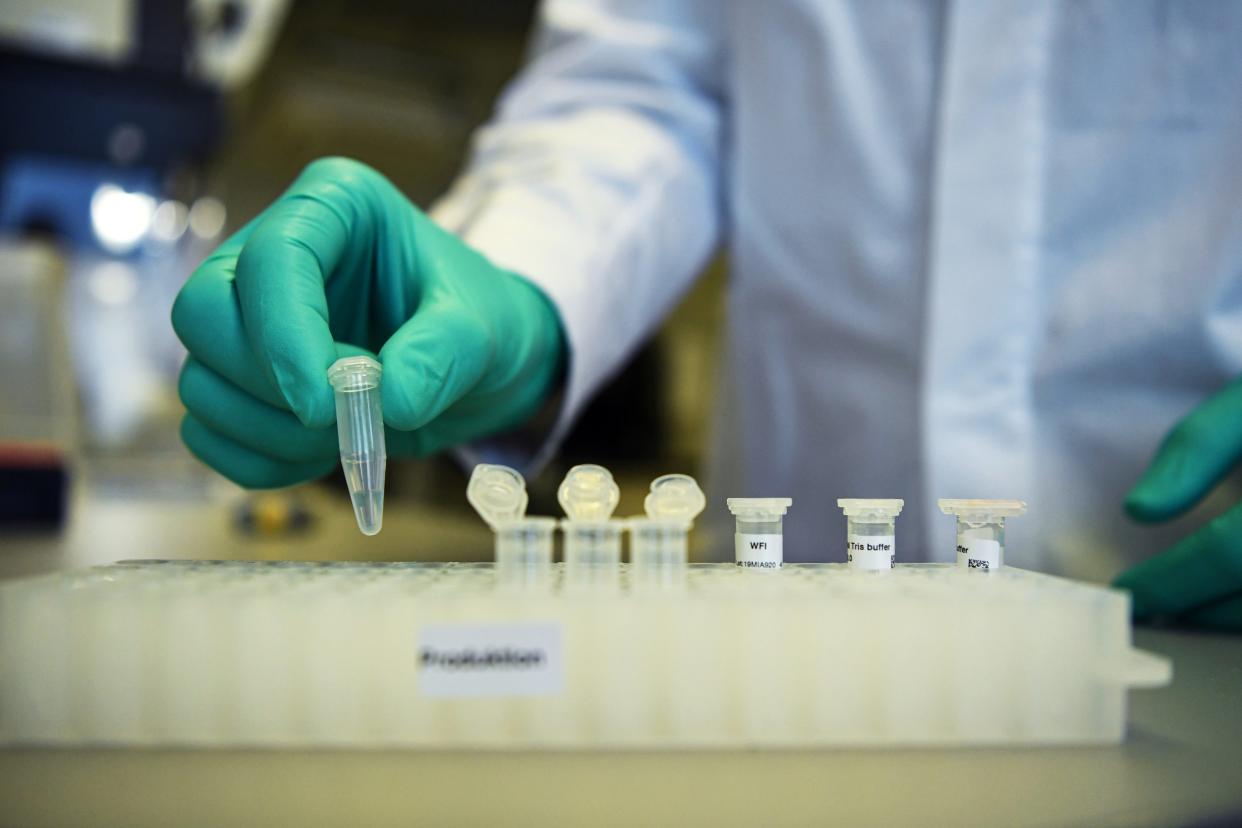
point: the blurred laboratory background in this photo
(138, 135)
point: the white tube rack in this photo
(305, 654)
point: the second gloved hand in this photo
(343, 264)
(1197, 581)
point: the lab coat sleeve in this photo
(599, 180)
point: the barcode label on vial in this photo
(473, 660)
(978, 553)
(759, 551)
(870, 551)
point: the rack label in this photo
(978, 553)
(870, 551)
(759, 551)
(476, 660)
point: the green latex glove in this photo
(343, 264)
(1199, 579)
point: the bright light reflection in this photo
(170, 220)
(120, 219)
(207, 216)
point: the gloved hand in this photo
(1198, 580)
(343, 264)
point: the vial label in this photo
(870, 551)
(477, 660)
(759, 551)
(977, 553)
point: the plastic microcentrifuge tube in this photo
(658, 541)
(592, 543)
(592, 538)
(360, 430)
(981, 530)
(523, 544)
(870, 533)
(758, 541)
(524, 551)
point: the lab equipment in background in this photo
(143, 81)
(316, 655)
(658, 550)
(981, 530)
(38, 405)
(870, 533)
(360, 430)
(759, 537)
(273, 514)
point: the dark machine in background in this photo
(138, 134)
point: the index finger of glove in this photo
(207, 319)
(281, 276)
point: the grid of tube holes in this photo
(445, 580)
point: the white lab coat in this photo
(977, 249)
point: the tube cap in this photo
(675, 498)
(759, 508)
(497, 493)
(588, 493)
(982, 510)
(862, 508)
(354, 373)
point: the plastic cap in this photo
(588, 493)
(675, 497)
(860, 507)
(759, 508)
(355, 372)
(982, 510)
(497, 493)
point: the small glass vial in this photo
(759, 538)
(981, 530)
(870, 534)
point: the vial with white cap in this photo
(759, 537)
(981, 530)
(658, 549)
(523, 544)
(870, 533)
(360, 431)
